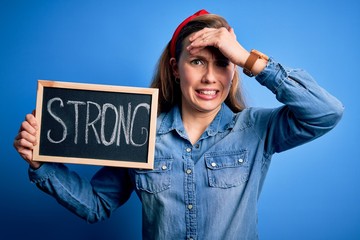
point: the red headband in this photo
(178, 29)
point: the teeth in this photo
(212, 92)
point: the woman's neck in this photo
(196, 122)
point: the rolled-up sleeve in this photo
(91, 200)
(309, 111)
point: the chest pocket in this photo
(226, 169)
(155, 180)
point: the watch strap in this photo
(254, 55)
(250, 63)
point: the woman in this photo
(212, 153)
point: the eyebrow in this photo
(215, 56)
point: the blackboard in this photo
(96, 124)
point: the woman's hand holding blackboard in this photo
(25, 140)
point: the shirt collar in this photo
(225, 119)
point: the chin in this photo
(209, 108)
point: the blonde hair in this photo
(164, 80)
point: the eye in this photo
(222, 63)
(196, 62)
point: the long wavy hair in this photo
(164, 80)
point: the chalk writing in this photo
(123, 123)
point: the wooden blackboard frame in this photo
(146, 164)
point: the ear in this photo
(174, 67)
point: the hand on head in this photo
(222, 39)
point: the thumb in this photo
(232, 32)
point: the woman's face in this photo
(205, 79)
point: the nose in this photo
(209, 74)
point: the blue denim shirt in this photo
(208, 190)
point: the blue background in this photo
(311, 192)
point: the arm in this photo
(309, 111)
(93, 201)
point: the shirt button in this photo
(241, 160)
(188, 150)
(188, 171)
(164, 167)
(197, 145)
(190, 206)
(213, 164)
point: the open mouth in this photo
(207, 92)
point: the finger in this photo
(203, 35)
(194, 50)
(27, 137)
(232, 32)
(198, 34)
(32, 120)
(210, 37)
(24, 148)
(26, 154)
(204, 40)
(26, 126)
(23, 144)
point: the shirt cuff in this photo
(272, 75)
(44, 172)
